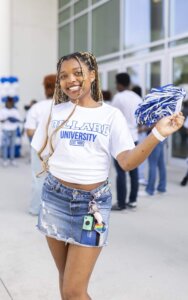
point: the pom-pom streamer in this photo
(159, 103)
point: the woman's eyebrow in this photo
(77, 68)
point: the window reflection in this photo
(80, 5)
(64, 40)
(133, 71)
(144, 22)
(111, 81)
(105, 28)
(153, 75)
(63, 2)
(64, 15)
(178, 17)
(80, 34)
(180, 77)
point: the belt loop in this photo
(57, 187)
(74, 194)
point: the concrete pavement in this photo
(147, 256)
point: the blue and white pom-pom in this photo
(159, 103)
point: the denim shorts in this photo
(67, 214)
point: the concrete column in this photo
(5, 38)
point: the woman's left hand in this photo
(170, 124)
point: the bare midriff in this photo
(85, 187)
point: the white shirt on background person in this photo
(36, 112)
(6, 113)
(127, 102)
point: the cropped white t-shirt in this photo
(83, 147)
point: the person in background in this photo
(33, 118)
(127, 102)
(27, 107)
(31, 103)
(10, 118)
(142, 133)
(107, 96)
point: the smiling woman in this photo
(75, 141)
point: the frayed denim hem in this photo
(68, 240)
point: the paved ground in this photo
(147, 258)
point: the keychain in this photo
(88, 223)
(93, 209)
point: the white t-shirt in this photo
(6, 113)
(83, 147)
(127, 102)
(36, 112)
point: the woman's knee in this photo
(73, 293)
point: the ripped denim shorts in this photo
(75, 216)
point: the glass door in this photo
(108, 78)
(179, 75)
(153, 75)
(146, 73)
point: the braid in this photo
(59, 96)
(90, 60)
(97, 94)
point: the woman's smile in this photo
(74, 88)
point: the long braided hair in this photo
(60, 97)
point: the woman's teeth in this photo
(74, 88)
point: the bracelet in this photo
(158, 135)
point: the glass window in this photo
(80, 34)
(133, 71)
(105, 28)
(143, 22)
(178, 42)
(64, 40)
(153, 75)
(63, 2)
(80, 5)
(64, 15)
(100, 80)
(95, 1)
(180, 77)
(112, 81)
(178, 17)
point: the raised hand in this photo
(170, 124)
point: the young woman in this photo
(75, 144)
